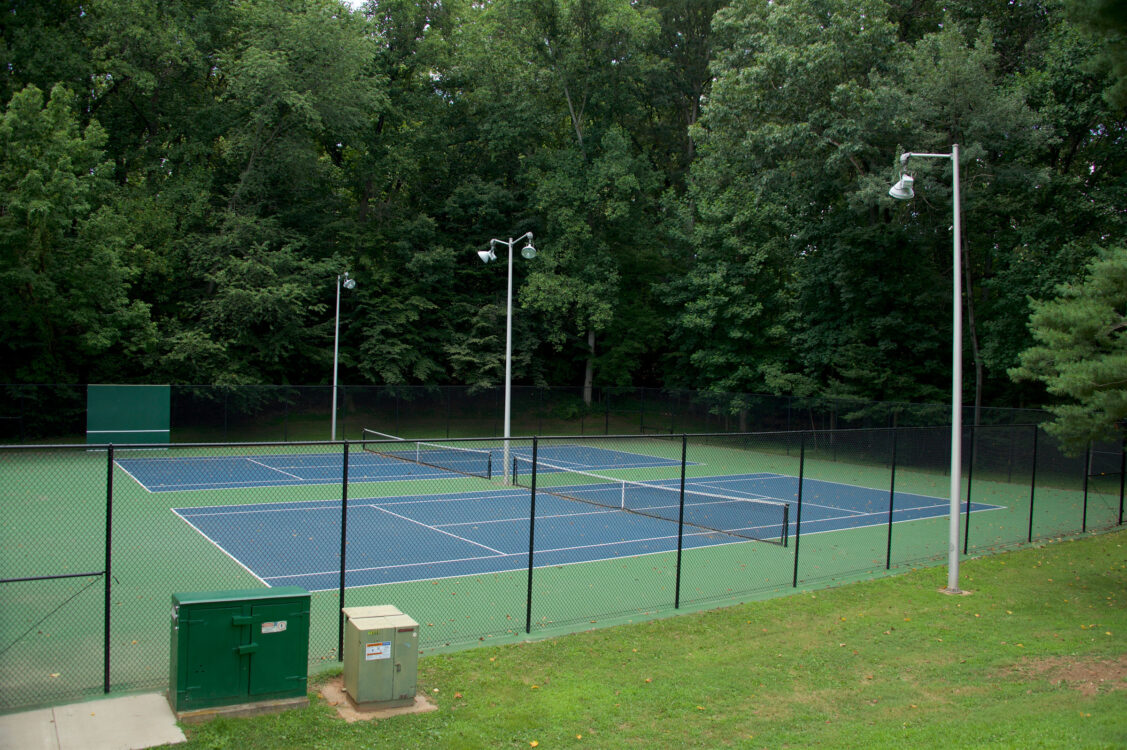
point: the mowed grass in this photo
(1034, 656)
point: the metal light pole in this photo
(902, 190)
(348, 284)
(527, 252)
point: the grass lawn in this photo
(1034, 656)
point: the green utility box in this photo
(233, 647)
(381, 657)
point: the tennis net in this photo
(747, 518)
(470, 461)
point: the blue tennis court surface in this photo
(188, 473)
(427, 537)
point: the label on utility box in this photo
(373, 651)
(274, 627)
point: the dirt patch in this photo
(1089, 677)
(334, 694)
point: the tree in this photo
(65, 272)
(582, 67)
(1080, 352)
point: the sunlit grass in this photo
(1034, 656)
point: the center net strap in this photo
(470, 461)
(747, 518)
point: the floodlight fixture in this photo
(902, 190)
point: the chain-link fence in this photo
(262, 413)
(486, 539)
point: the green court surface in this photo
(54, 522)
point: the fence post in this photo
(680, 523)
(531, 539)
(798, 516)
(343, 541)
(1122, 469)
(891, 501)
(970, 479)
(108, 573)
(1087, 471)
(1033, 483)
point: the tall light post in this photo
(528, 252)
(902, 190)
(347, 283)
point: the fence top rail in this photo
(95, 447)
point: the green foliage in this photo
(64, 280)
(706, 182)
(1080, 352)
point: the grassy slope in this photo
(1036, 656)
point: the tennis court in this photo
(451, 545)
(424, 537)
(376, 462)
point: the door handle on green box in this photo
(247, 648)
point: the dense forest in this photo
(182, 182)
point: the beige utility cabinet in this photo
(381, 656)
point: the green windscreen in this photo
(124, 414)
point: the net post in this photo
(891, 503)
(531, 539)
(798, 516)
(489, 466)
(108, 574)
(1033, 482)
(680, 522)
(343, 541)
(786, 525)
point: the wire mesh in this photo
(453, 550)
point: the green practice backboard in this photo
(124, 414)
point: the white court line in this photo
(575, 562)
(221, 549)
(500, 555)
(794, 501)
(674, 462)
(434, 528)
(454, 497)
(883, 515)
(525, 518)
(130, 475)
(250, 509)
(271, 468)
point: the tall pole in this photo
(348, 284)
(956, 379)
(902, 190)
(486, 256)
(509, 363)
(336, 347)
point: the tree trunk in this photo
(978, 368)
(589, 374)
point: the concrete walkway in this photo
(130, 722)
